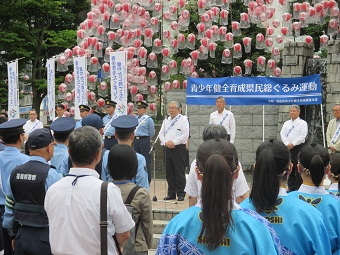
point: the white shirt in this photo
(74, 214)
(313, 189)
(228, 122)
(193, 185)
(334, 186)
(30, 126)
(294, 132)
(174, 130)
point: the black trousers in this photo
(32, 241)
(108, 143)
(142, 146)
(294, 179)
(175, 170)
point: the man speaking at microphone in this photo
(173, 136)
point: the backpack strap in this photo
(103, 219)
(131, 195)
(128, 202)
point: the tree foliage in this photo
(37, 30)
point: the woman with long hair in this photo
(219, 225)
(289, 216)
(334, 174)
(313, 165)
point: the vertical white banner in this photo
(13, 87)
(50, 65)
(80, 84)
(118, 74)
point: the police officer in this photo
(61, 130)
(125, 126)
(25, 216)
(143, 133)
(109, 139)
(84, 111)
(12, 133)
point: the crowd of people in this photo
(52, 199)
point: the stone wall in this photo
(249, 119)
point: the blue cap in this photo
(84, 107)
(110, 103)
(140, 104)
(40, 138)
(13, 126)
(93, 120)
(125, 123)
(63, 125)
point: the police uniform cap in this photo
(110, 103)
(13, 126)
(63, 125)
(93, 120)
(84, 107)
(142, 104)
(39, 138)
(125, 123)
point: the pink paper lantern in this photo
(91, 96)
(133, 90)
(103, 85)
(185, 84)
(153, 89)
(68, 78)
(106, 67)
(139, 97)
(100, 102)
(176, 84)
(63, 87)
(167, 85)
(68, 96)
(153, 107)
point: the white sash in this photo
(107, 126)
(336, 135)
(292, 128)
(173, 123)
(140, 121)
(224, 117)
(33, 128)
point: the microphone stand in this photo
(154, 163)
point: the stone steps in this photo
(160, 219)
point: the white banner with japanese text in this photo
(50, 65)
(13, 88)
(80, 84)
(118, 72)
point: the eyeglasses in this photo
(172, 108)
(335, 110)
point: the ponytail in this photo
(266, 183)
(272, 161)
(217, 200)
(314, 159)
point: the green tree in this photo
(38, 30)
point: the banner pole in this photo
(262, 123)
(323, 127)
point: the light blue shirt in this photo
(79, 124)
(141, 177)
(146, 128)
(60, 154)
(10, 158)
(52, 177)
(250, 233)
(111, 130)
(293, 217)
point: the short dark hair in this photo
(84, 144)
(122, 162)
(61, 106)
(11, 137)
(123, 135)
(61, 137)
(214, 132)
